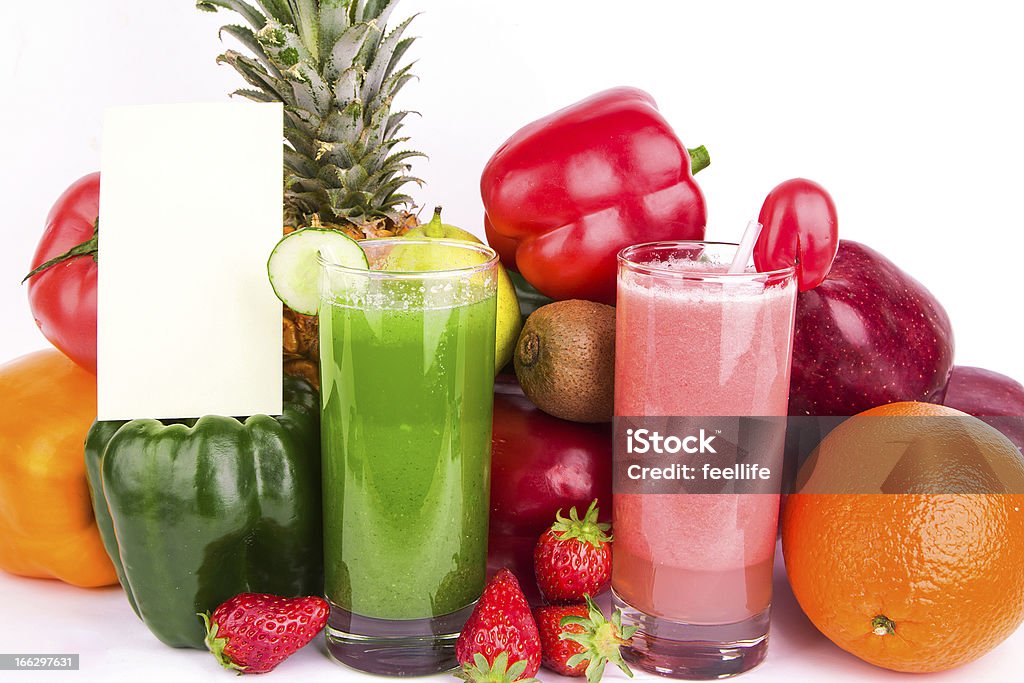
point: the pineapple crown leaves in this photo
(587, 530)
(336, 69)
(600, 638)
(498, 672)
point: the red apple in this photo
(868, 335)
(515, 553)
(540, 465)
(994, 398)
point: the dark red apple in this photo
(516, 554)
(868, 335)
(993, 397)
(540, 465)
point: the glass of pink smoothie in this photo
(693, 570)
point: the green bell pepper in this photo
(193, 512)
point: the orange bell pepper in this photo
(47, 528)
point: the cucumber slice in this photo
(294, 266)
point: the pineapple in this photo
(337, 70)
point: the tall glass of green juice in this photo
(407, 373)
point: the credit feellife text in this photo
(641, 441)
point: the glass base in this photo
(694, 651)
(394, 647)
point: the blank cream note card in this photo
(190, 209)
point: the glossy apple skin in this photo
(515, 553)
(540, 464)
(995, 398)
(868, 335)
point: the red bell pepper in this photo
(564, 194)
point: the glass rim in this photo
(623, 257)
(480, 248)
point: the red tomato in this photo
(63, 296)
(801, 229)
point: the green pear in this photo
(509, 319)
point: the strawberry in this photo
(501, 624)
(499, 672)
(254, 632)
(555, 652)
(573, 558)
(576, 640)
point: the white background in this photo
(909, 113)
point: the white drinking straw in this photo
(746, 248)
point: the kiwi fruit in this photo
(565, 360)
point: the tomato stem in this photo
(90, 247)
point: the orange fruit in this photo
(925, 578)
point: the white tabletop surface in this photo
(48, 617)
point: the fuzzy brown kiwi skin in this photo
(565, 360)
